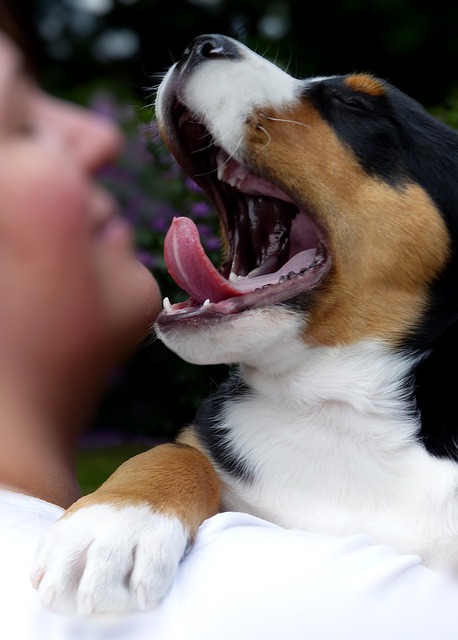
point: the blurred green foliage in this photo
(96, 464)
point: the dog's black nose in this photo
(210, 46)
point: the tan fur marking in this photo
(174, 479)
(366, 83)
(189, 437)
(387, 244)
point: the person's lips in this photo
(108, 220)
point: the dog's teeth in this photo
(206, 303)
(233, 277)
(292, 274)
(166, 305)
(233, 181)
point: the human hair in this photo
(17, 21)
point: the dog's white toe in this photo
(103, 559)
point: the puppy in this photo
(336, 302)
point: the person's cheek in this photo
(45, 198)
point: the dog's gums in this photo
(275, 251)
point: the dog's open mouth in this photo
(275, 251)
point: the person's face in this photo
(69, 277)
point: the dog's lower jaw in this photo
(256, 338)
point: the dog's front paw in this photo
(105, 559)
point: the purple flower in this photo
(103, 103)
(149, 260)
(201, 209)
(191, 185)
(150, 185)
(213, 243)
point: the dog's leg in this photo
(117, 549)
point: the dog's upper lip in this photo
(234, 174)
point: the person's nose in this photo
(93, 139)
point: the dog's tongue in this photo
(190, 267)
(193, 271)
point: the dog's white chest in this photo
(331, 466)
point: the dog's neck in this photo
(369, 377)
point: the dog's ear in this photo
(432, 161)
(365, 83)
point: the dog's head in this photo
(337, 199)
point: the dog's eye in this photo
(354, 101)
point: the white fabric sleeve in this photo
(247, 579)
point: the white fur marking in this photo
(105, 560)
(332, 448)
(259, 83)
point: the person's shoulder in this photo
(23, 519)
(15, 506)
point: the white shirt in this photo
(245, 579)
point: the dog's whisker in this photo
(152, 336)
(269, 138)
(302, 124)
(233, 153)
(219, 142)
(147, 105)
(204, 148)
(225, 161)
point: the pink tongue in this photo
(190, 267)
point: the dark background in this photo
(413, 44)
(127, 44)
